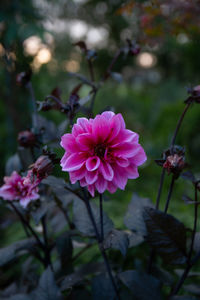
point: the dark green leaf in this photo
(192, 288)
(134, 216)
(9, 253)
(188, 176)
(187, 297)
(65, 249)
(58, 187)
(142, 285)
(118, 240)
(135, 239)
(19, 297)
(82, 220)
(167, 235)
(196, 246)
(13, 164)
(78, 276)
(47, 288)
(102, 288)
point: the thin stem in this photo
(90, 65)
(65, 213)
(98, 237)
(179, 124)
(169, 194)
(160, 188)
(47, 249)
(190, 262)
(28, 226)
(82, 251)
(32, 94)
(109, 69)
(54, 99)
(101, 216)
(93, 100)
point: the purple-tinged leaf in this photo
(142, 285)
(167, 235)
(117, 239)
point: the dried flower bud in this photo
(23, 78)
(194, 95)
(26, 139)
(174, 164)
(43, 167)
(134, 48)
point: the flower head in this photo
(101, 153)
(19, 188)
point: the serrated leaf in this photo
(82, 220)
(62, 127)
(47, 288)
(41, 211)
(142, 285)
(9, 253)
(117, 239)
(102, 288)
(134, 216)
(81, 274)
(48, 127)
(167, 235)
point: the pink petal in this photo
(101, 184)
(76, 130)
(92, 163)
(74, 162)
(106, 170)
(85, 124)
(125, 149)
(100, 129)
(120, 177)
(85, 141)
(91, 177)
(77, 175)
(132, 172)
(83, 182)
(91, 189)
(108, 114)
(115, 127)
(111, 187)
(68, 142)
(140, 157)
(122, 162)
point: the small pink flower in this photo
(19, 188)
(101, 153)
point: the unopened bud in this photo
(174, 164)
(43, 167)
(26, 139)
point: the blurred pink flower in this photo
(101, 153)
(19, 188)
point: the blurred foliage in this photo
(150, 99)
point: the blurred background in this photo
(148, 89)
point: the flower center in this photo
(100, 150)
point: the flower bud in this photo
(43, 167)
(194, 95)
(174, 164)
(23, 78)
(26, 139)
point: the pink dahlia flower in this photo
(101, 153)
(19, 188)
